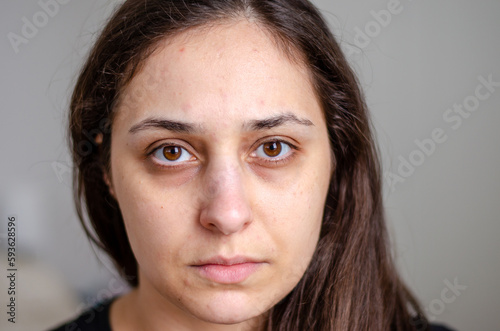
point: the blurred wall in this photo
(431, 74)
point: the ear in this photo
(98, 138)
(108, 182)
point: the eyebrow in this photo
(253, 125)
(156, 123)
(274, 121)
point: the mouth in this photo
(227, 270)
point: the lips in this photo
(227, 270)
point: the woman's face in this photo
(220, 163)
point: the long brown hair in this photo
(351, 282)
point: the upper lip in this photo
(221, 260)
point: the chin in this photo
(230, 308)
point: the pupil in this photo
(172, 153)
(272, 149)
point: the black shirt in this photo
(94, 319)
(97, 319)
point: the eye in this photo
(172, 154)
(273, 149)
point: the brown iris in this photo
(272, 148)
(172, 153)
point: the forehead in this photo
(234, 70)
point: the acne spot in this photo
(186, 284)
(223, 94)
(182, 49)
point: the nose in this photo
(226, 208)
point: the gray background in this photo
(443, 215)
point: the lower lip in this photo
(228, 274)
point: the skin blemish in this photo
(182, 49)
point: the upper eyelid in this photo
(150, 150)
(280, 140)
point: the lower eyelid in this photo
(277, 162)
(171, 166)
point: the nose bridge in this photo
(226, 208)
(222, 176)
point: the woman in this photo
(233, 177)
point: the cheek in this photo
(292, 227)
(156, 220)
(295, 219)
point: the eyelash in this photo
(271, 161)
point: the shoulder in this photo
(93, 319)
(436, 327)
